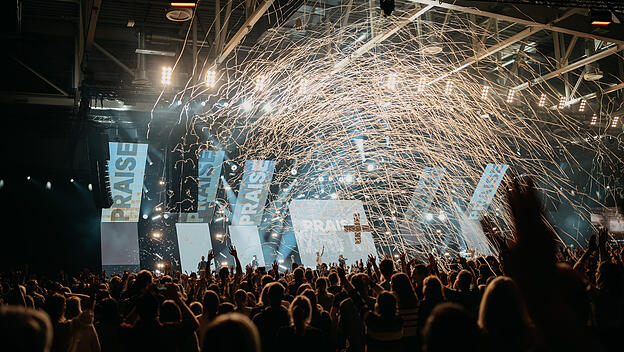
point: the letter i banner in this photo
(126, 170)
(253, 192)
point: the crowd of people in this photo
(536, 295)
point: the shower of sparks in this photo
(366, 129)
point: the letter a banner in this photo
(486, 189)
(208, 172)
(253, 192)
(126, 169)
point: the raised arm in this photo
(403, 262)
(591, 247)
(211, 256)
(373, 261)
(239, 267)
(275, 268)
(603, 236)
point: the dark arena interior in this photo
(323, 175)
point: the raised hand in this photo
(211, 255)
(372, 259)
(603, 235)
(275, 267)
(431, 259)
(341, 272)
(233, 251)
(591, 244)
(493, 235)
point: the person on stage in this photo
(254, 262)
(319, 258)
(342, 261)
(201, 266)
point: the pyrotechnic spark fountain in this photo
(386, 98)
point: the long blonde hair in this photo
(300, 312)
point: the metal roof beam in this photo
(570, 67)
(501, 45)
(113, 58)
(529, 15)
(381, 37)
(245, 28)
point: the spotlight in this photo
(71, 180)
(321, 178)
(203, 103)
(48, 185)
(428, 216)
(90, 187)
(582, 106)
(370, 167)
(387, 6)
(303, 86)
(219, 236)
(421, 84)
(600, 18)
(211, 78)
(1, 183)
(247, 106)
(510, 96)
(158, 208)
(449, 87)
(28, 178)
(542, 100)
(165, 77)
(562, 102)
(161, 182)
(260, 82)
(594, 119)
(156, 235)
(233, 167)
(274, 235)
(166, 216)
(223, 263)
(293, 171)
(391, 83)
(182, 4)
(156, 217)
(160, 265)
(615, 122)
(485, 91)
(145, 216)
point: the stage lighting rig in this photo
(600, 18)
